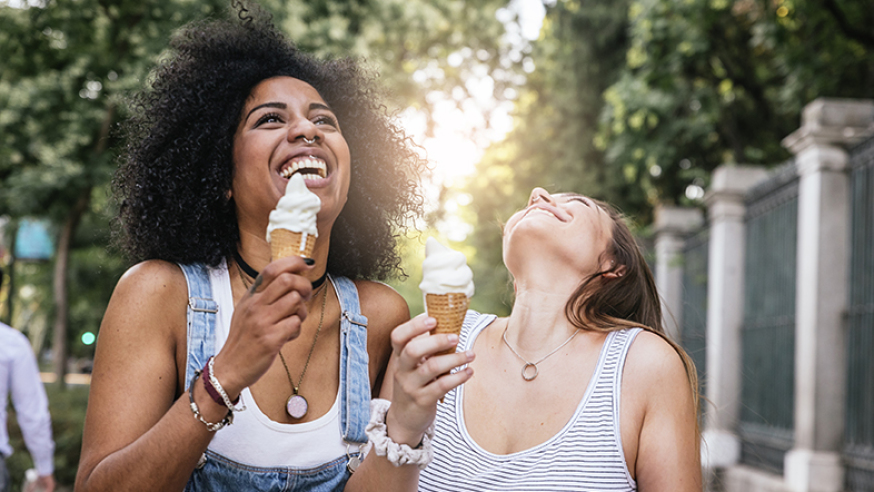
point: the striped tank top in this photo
(586, 455)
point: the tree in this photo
(709, 82)
(66, 67)
(578, 55)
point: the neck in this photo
(254, 250)
(538, 323)
(247, 271)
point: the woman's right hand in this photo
(421, 378)
(269, 314)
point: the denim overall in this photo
(216, 473)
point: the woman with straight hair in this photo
(579, 388)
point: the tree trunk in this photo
(59, 345)
(12, 229)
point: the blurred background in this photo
(635, 102)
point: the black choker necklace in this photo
(254, 273)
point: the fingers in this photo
(281, 277)
(413, 328)
(432, 379)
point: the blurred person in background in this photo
(19, 377)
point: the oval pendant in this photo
(528, 375)
(296, 406)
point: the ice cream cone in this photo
(285, 243)
(449, 311)
(292, 227)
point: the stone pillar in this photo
(828, 126)
(725, 283)
(672, 225)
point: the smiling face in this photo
(287, 128)
(567, 230)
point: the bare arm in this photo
(667, 456)
(413, 387)
(135, 424)
(140, 433)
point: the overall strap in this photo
(354, 366)
(202, 311)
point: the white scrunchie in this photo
(396, 454)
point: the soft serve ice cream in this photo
(447, 283)
(292, 228)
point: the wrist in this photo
(214, 387)
(399, 434)
(394, 453)
(213, 416)
(220, 371)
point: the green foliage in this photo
(709, 82)
(409, 42)
(67, 68)
(633, 101)
(68, 415)
(578, 56)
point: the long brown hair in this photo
(628, 299)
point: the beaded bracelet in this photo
(396, 454)
(221, 391)
(210, 426)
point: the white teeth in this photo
(307, 166)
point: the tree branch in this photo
(866, 38)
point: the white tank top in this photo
(303, 445)
(585, 455)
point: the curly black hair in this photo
(176, 167)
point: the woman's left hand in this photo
(420, 378)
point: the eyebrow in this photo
(282, 105)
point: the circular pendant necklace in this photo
(529, 370)
(297, 405)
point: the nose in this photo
(540, 194)
(305, 130)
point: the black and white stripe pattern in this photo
(586, 455)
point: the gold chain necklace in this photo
(297, 405)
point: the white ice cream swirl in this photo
(297, 210)
(445, 271)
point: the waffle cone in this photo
(284, 243)
(449, 311)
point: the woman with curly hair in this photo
(216, 368)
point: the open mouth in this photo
(309, 167)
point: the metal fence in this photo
(768, 333)
(859, 434)
(693, 332)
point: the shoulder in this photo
(152, 276)
(149, 293)
(13, 343)
(12, 337)
(383, 306)
(655, 369)
(144, 324)
(654, 357)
